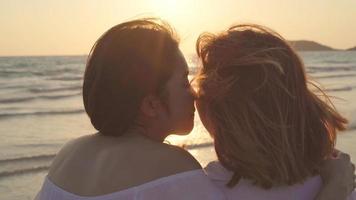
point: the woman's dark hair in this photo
(126, 63)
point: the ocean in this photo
(41, 108)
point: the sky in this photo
(70, 27)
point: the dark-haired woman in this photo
(136, 92)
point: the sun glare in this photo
(173, 9)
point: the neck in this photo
(148, 132)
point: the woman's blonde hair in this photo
(270, 126)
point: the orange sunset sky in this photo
(70, 27)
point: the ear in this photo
(150, 106)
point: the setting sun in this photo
(174, 10)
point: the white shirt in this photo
(190, 185)
(245, 190)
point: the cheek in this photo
(182, 110)
(201, 108)
(182, 102)
(181, 114)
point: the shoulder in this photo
(184, 156)
(176, 159)
(67, 152)
(216, 172)
(73, 144)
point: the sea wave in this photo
(39, 145)
(40, 113)
(56, 73)
(48, 90)
(59, 71)
(351, 127)
(334, 76)
(341, 89)
(24, 165)
(337, 61)
(197, 146)
(5, 71)
(12, 86)
(66, 78)
(4, 174)
(17, 84)
(28, 158)
(30, 98)
(315, 69)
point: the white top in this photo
(246, 190)
(190, 185)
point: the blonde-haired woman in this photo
(271, 129)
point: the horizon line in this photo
(188, 53)
(43, 55)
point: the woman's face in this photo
(180, 98)
(201, 106)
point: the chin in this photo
(186, 129)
